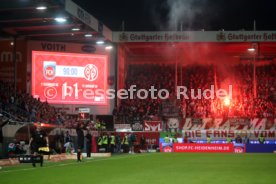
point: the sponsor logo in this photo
(137, 127)
(8, 57)
(167, 149)
(153, 126)
(221, 36)
(53, 47)
(238, 150)
(223, 148)
(88, 48)
(121, 126)
(123, 37)
(84, 16)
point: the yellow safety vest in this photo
(208, 140)
(125, 140)
(105, 140)
(261, 140)
(228, 140)
(100, 141)
(167, 140)
(98, 125)
(112, 140)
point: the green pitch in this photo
(150, 168)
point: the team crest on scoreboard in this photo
(91, 72)
(49, 70)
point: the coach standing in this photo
(80, 141)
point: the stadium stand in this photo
(202, 77)
(24, 108)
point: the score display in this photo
(69, 78)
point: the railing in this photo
(8, 115)
(18, 111)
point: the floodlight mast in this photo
(254, 51)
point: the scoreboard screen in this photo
(69, 78)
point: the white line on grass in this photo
(74, 163)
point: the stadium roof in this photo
(200, 53)
(51, 20)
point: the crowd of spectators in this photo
(242, 104)
(145, 76)
(23, 107)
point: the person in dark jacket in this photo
(238, 139)
(88, 144)
(67, 137)
(38, 140)
(142, 142)
(118, 143)
(80, 142)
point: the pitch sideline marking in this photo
(74, 163)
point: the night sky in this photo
(158, 15)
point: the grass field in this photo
(150, 168)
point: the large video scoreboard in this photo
(69, 78)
